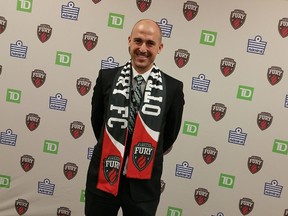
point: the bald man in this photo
(136, 116)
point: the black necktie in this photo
(135, 103)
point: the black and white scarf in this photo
(146, 131)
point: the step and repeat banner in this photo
(231, 154)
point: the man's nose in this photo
(143, 48)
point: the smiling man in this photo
(136, 116)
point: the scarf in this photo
(146, 130)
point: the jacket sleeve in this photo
(97, 112)
(174, 118)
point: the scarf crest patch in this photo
(146, 130)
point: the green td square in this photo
(116, 20)
(24, 5)
(190, 128)
(208, 37)
(13, 96)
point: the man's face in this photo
(144, 44)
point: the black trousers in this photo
(96, 205)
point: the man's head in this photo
(145, 42)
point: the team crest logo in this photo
(237, 18)
(274, 75)
(77, 129)
(218, 111)
(44, 32)
(201, 196)
(32, 121)
(254, 164)
(89, 40)
(38, 78)
(27, 162)
(111, 169)
(63, 211)
(3, 24)
(142, 155)
(209, 154)
(21, 206)
(83, 86)
(246, 205)
(70, 170)
(264, 120)
(143, 5)
(227, 66)
(96, 1)
(181, 57)
(283, 27)
(190, 10)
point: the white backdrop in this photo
(231, 154)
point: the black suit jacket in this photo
(141, 190)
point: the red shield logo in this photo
(201, 196)
(218, 111)
(89, 40)
(237, 18)
(246, 205)
(63, 211)
(44, 32)
(38, 77)
(227, 66)
(190, 10)
(209, 154)
(21, 206)
(274, 75)
(181, 57)
(3, 24)
(32, 121)
(111, 169)
(27, 162)
(83, 86)
(254, 164)
(143, 5)
(283, 27)
(77, 129)
(96, 1)
(142, 155)
(264, 120)
(70, 170)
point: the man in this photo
(126, 166)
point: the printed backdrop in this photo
(231, 154)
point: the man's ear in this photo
(129, 40)
(160, 48)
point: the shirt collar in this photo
(145, 75)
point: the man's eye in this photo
(137, 41)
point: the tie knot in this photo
(139, 79)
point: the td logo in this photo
(245, 92)
(82, 196)
(208, 38)
(174, 211)
(13, 96)
(116, 20)
(63, 58)
(24, 5)
(190, 128)
(4, 181)
(226, 180)
(51, 147)
(280, 147)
